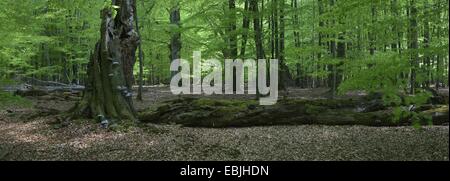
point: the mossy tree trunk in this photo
(108, 93)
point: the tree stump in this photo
(108, 93)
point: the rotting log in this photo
(193, 112)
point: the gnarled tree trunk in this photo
(108, 94)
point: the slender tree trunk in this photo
(295, 22)
(332, 49)
(394, 12)
(245, 26)
(258, 31)
(258, 37)
(232, 29)
(321, 35)
(413, 45)
(175, 41)
(439, 63)
(107, 96)
(285, 79)
(426, 41)
(276, 29)
(232, 49)
(272, 28)
(372, 36)
(141, 59)
(340, 54)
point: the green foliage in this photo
(7, 99)
(378, 74)
(400, 113)
(47, 38)
(113, 8)
(53, 39)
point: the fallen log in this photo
(215, 113)
(31, 92)
(36, 91)
(37, 82)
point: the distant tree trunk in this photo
(276, 34)
(426, 41)
(340, 54)
(272, 28)
(285, 79)
(413, 45)
(284, 68)
(110, 71)
(372, 36)
(321, 34)
(332, 49)
(232, 50)
(294, 5)
(152, 75)
(141, 60)
(175, 41)
(258, 37)
(439, 64)
(394, 11)
(75, 74)
(296, 23)
(258, 31)
(245, 26)
(232, 29)
(338, 51)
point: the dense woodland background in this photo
(373, 45)
(359, 80)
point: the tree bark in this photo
(141, 61)
(258, 31)
(107, 96)
(232, 49)
(258, 37)
(232, 36)
(413, 45)
(285, 78)
(372, 36)
(426, 42)
(175, 41)
(245, 26)
(321, 37)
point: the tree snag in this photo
(108, 93)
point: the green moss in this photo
(312, 109)
(326, 103)
(237, 104)
(8, 99)
(238, 113)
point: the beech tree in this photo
(108, 94)
(175, 41)
(389, 46)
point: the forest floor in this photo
(26, 137)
